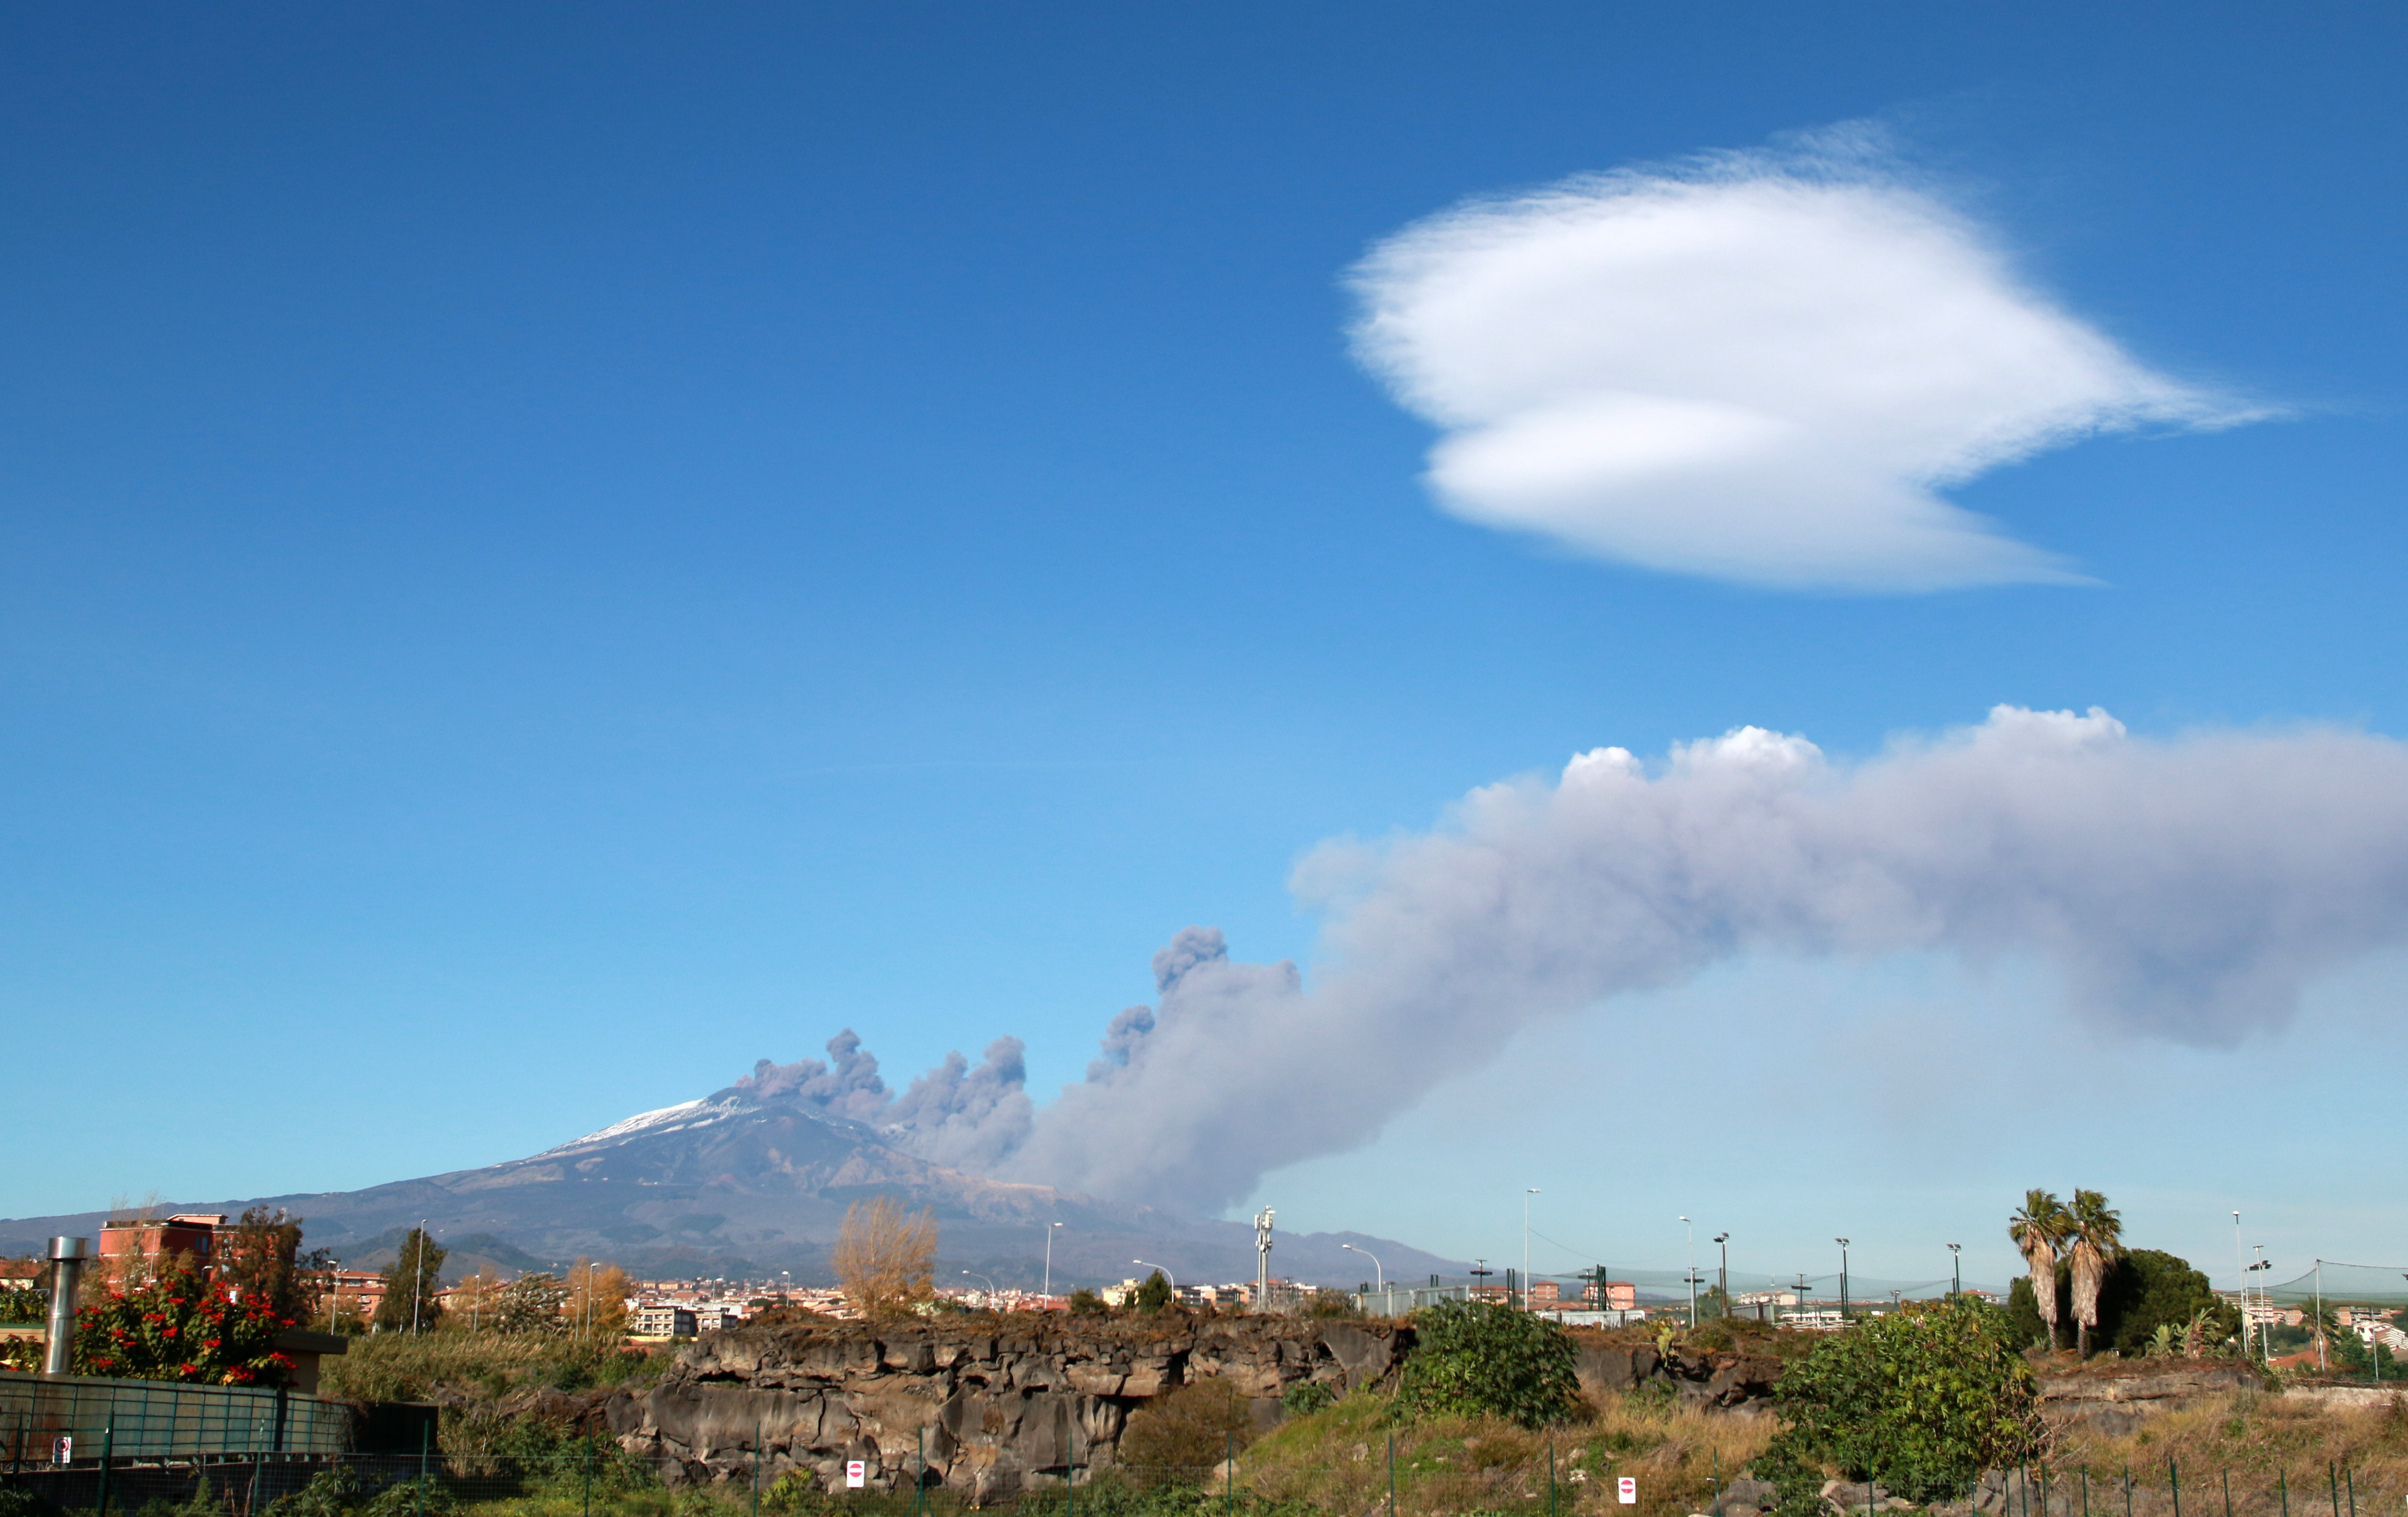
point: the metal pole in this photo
(417, 1276)
(2173, 1482)
(67, 1270)
(586, 1483)
(1844, 1278)
(107, 1446)
(2283, 1484)
(2333, 1478)
(1527, 1193)
(2228, 1493)
(424, 1431)
(1392, 1474)
(756, 1467)
(2322, 1367)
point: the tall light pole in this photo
(1527, 1194)
(1955, 1271)
(2240, 1273)
(1167, 1275)
(1721, 1277)
(1693, 1269)
(1844, 1277)
(991, 1292)
(1377, 1274)
(1048, 1261)
(2265, 1304)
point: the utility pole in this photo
(1956, 1273)
(1049, 1260)
(1721, 1277)
(1527, 1194)
(417, 1276)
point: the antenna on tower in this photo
(1263, 1259)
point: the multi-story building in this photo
(125, 1242)
(662, 1320)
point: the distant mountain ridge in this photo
(739, 1185)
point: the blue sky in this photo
(548, 554)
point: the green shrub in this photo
(1475, 1358)
(1305, 1397)
(1192, 1428)
(1922, 1401)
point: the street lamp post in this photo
(1955, 1272)
(1527, 1194)
(1168, 1277)
(1844, 1277)
(1722, 1274)
(1049, 1261)
(1377, 1274)
(991, 1292)
(2240, 1276)
(1693, 1270)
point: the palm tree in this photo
(2037, 1230)
(2098, 1235)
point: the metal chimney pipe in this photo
(67, 1268)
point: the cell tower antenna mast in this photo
(1263, 1259)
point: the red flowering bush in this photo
(179, 1326)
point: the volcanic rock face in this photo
(1715, 1381)
(1008, 1404)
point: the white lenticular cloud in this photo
(1760, 369)
(2183, 891)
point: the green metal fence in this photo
(162, 1418)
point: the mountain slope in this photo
(738, 1186)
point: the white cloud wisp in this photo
(1761, 369)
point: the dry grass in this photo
(1336, 1459)
(2279, 1453)
(403, 1366)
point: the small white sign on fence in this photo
(856, 1474)
(63, 1449)
(1625, 1490)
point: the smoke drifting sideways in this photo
(955, 1115)
(2183, 891)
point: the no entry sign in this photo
(1625, 1490)
(856, 1473)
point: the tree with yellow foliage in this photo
(597, 1300)
(885, 1258)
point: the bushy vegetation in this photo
(1192, 1428)
(1921, 1400)
(1336, 1459)
(176, 1324)
(1484, 1358)
(405, 1367)
(2145, 1289)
